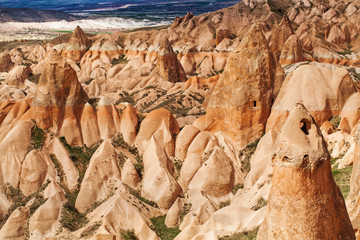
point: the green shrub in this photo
(335, 121)
(37, 139)
(260, 204)
(128, 234)
(90, 230)
(342, 176)
(80, 156)
(121, 59)
(237, 187)
(162, 230)
(137, 194)
(242, 236)
(225, 204)
(71, 219)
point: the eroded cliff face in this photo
(102, 136)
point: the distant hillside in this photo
(33, 15)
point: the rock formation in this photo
(304, 201)
(331, 88)
(76, 47)
(167, 64)
(58, 90)
(241, 101)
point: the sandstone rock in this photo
(77, 45)
(216, 175)
(163, 126)
(108, 118)
(184, 139)
(352, 201)
(13, 117)
(327, 95)
(241, 101)
(101, 177)
(122, 212)
(45, 221)
(221, 33)
(172, 217)
(15, 226)
(168, 65)
(17, 76)
(291, 51)
(158, 183)
(34, 172)
(5, 62)
(303, 187)
(89, 126)
(129, 124)
(58, 87)
(280, 35)
(201, 144)
(129, 175)
(13, 149)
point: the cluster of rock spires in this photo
(204, 122)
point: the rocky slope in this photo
(189, 132)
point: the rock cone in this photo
(58, 88)
(241, 101)
(304, 201)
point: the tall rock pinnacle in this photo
(241, 101)
(58, 88)
(304, 201)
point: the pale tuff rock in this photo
(17, 76)
(58, 88)
(161, 125)
(101, 177)
(303, 188)
(329, 91)
(241, 101)
(352, 201)
(5, 62)
(15, 226)
(158, 183)
(292, 51)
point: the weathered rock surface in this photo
(241, 101)
(304, 201)
(57, 89)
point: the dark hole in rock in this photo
(305, 126)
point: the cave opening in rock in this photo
(305, 126)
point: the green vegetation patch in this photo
(137, 195)
(225, 204)
(90, 230)
(121, 60)
(128, 234)
(80, 156)
(162, 230)
(184, 211)
(37, 139)
(335, 121)
(260, 204)
(18, 199)
(242, 236)
(245, 155)
(118, 141)
(237, 187)
(342, 177)
(71, 219)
